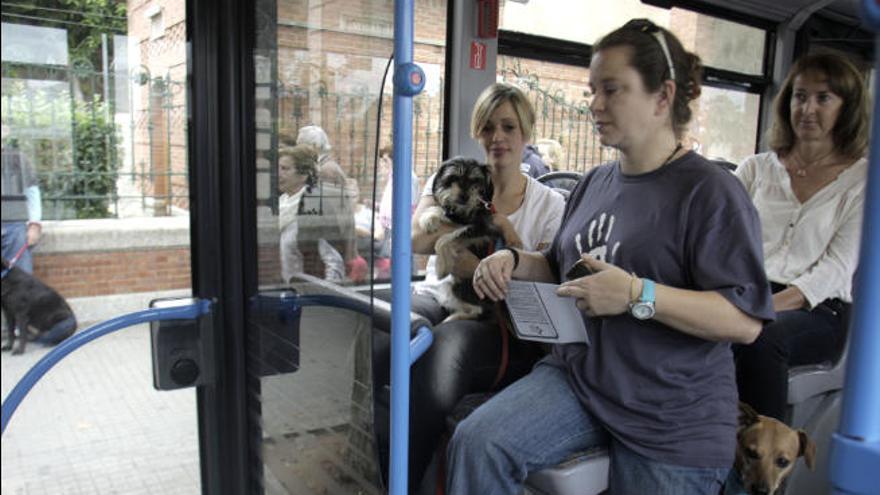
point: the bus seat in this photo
(585, 474)
(561, 181)
(815, 393)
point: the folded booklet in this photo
(537, 313)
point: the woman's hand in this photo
(492, 275)
(606, 292)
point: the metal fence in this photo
(561, 119)
(125, 155)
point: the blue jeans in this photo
(58, 332)
(14, 236)
(538, 422)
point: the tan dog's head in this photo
(766, 450)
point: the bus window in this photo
(560, 96)
(725, 124)
(732, 53)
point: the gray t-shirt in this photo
(666, 395)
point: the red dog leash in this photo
(13, 260)
(17, 255)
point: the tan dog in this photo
(766, 450)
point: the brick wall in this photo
(96, 273)
(88, 258)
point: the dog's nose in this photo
(760, 490)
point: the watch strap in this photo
(647, 290)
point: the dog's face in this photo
(766, 450)
(463, 189)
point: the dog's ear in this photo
(441, 171)
(807, 449)
(747, 415)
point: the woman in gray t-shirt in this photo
(673, 246)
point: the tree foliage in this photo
(95, 160)
(86, 21)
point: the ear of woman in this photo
(666, 97)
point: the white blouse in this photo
(812, 245)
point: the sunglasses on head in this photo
(648, 27)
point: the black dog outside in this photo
(28, 305)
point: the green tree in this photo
(95, 160)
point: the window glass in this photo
(319, 71)
(324, 225)
(724, 124)
(94, 114)
(721, 44)
(563, 129)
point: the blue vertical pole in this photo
(855, 448)
(408, 81)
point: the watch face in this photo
(642, 310)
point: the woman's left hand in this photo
(605, 292)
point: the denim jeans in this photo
(58, 332)
(538, 422)
(14, 236)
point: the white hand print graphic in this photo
(597, 238)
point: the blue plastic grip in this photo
(192, 311)
(409, 79)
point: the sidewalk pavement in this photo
(95, 425)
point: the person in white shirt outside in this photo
(370, 234)
(313, 216)
(329, 169)
(385, 204)
(809, 192)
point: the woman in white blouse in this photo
(809, 192)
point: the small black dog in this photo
(28, 305)
(463, 191)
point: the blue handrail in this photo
(855, 448)
(408, 81)
(417, 346)
(198, 308)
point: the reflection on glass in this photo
(725, 124)
(324, 227)
(564, 134)
(321, 68)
